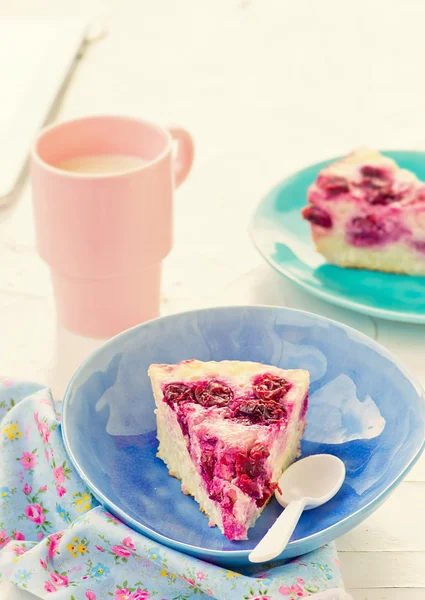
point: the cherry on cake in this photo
(366, 212)
(228, 430)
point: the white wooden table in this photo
(265, 87)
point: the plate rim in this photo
(292, 547)
(345, 302)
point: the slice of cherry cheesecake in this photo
(228, 430)
(366, 212)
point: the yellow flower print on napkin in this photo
(77, 547)
(82, 502)
(72, 547)
(82, 549)
(12, 432)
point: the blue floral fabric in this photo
(57, 542)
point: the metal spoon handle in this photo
(277, 537)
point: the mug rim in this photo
(35, 156)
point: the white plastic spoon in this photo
(306, 484)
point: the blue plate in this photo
(283, 238)
(364, 408)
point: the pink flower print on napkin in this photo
(140, 595)
(59, 475)
(122, 594)
(121, 551)
(200, 575)
(43, 488)
(60, 490)
(42, 428)
(27, 489)
(43, 564)
(18, 535)
(34, 512)
(44, 431)
(127, 541)
(28, 460)
(3, 538)
(290, 591)
(90, 595)
(40, 535)
(54, 541)
(49, 587)
(112, 518)
(59, 580)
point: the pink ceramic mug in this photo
(105, 235)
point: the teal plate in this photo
(283, 239)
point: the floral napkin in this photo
(57, 542)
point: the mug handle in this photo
(185, 151)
